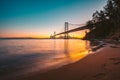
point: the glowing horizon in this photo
(41, 18)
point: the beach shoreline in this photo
(101, 65)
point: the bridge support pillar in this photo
(66, 29)
(54, 35)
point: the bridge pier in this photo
(66, 29)
(53, 36)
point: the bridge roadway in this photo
(73, 30)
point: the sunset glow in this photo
(59, 39)
(41, 18)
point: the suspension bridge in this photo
(67, 30)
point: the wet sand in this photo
(102, 65)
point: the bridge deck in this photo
(73, 30)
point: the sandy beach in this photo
(60, 40)
(101, 65)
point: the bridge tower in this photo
(54, 35)
(66, 29)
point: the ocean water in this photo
(27, 56)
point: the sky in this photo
(40, 18)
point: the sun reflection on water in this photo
(30, 56)
(66, 52)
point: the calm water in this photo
(18, 57)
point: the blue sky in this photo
(43, 17)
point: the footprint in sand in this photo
(99, 75)
(104, 66)
(116, 60)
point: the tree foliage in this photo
(105, 22)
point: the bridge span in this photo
(66, 30)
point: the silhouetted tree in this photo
(105, 22)
(90, 24)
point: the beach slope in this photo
(102, 65)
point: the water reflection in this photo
(42, 56)
(66, 48)
(80, 50)
(66, 51)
